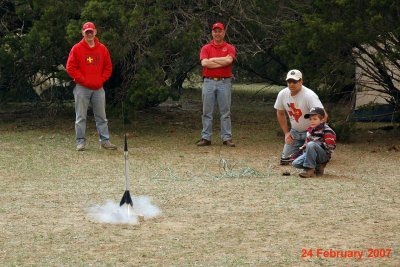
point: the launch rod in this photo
(126, 164)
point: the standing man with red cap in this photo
(217, 59)
(89, 64)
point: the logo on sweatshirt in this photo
(91, 59)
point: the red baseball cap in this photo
(218, 25)
(88, 26)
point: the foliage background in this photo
(155, 44)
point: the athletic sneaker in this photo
(286, 161)
(81, 147)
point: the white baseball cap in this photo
(294, 74)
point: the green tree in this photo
(33, 43)
(12, 31)
(155, 44)
(152, 45)
(330, 36)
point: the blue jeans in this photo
(313, 156)
(299, 140)
(220, 92)
(83, 97)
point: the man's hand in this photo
(289, 138)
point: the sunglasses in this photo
(88, 32)
(292, 81)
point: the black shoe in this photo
(229, 143)
(286, 161)
(204, 142)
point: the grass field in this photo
(220, 206)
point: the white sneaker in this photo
(81, 147)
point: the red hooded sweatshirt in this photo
(89, 66)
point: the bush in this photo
(345, 130)
(148, 89)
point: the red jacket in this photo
(89, 66)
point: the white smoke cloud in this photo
(111, 212)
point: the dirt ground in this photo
(220, 206)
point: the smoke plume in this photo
(111, 212)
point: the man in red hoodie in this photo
(216, 59)
(89, 65)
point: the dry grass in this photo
(221, 206)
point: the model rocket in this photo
(126, 198)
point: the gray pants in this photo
(220, 92)
(83, 97)
(313, 156)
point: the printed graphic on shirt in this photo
(315, 138)
(294, 112)
(92, 59)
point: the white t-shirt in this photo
(297, 106)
